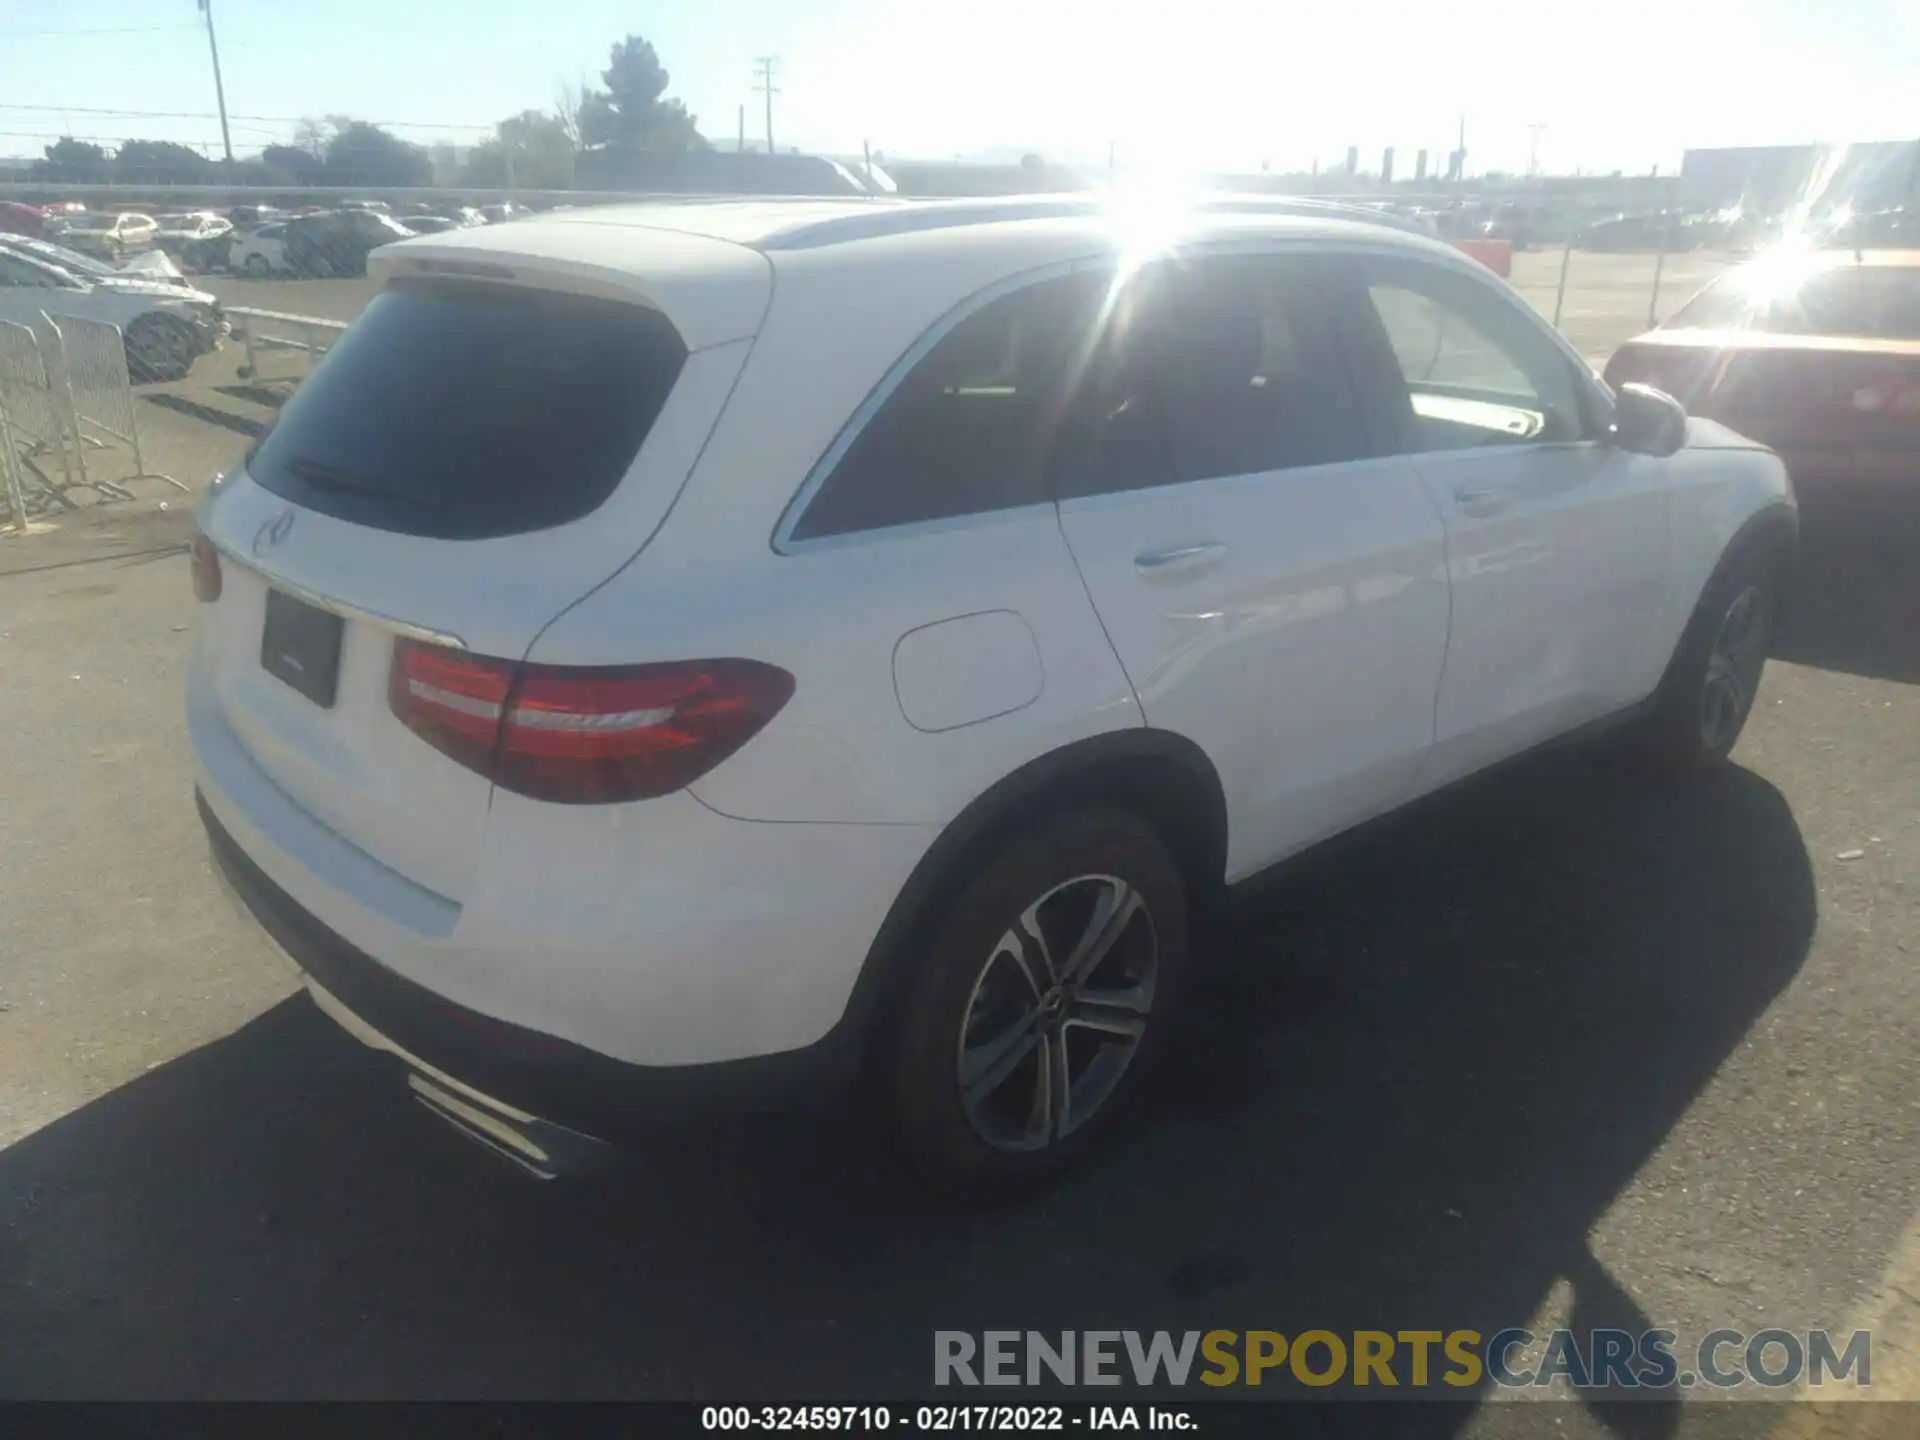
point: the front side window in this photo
(967, 431)
(1468, 367)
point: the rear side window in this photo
(1211, 368)
(967, 430)
(467, 412)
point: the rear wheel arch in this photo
(1162, 777)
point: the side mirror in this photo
(1648, 421)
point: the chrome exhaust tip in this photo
(540, 1148)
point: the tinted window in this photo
(20, 273)
(466, 411)
(967, 431)
(1212, 368)
(1464, 365)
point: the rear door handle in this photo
(1487, 500)
(1183, 560)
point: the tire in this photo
(258, 267)
(988, 1016)
(159, 348)
(1708, 691)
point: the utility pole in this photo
(764, 84)
(1533, 148)
(740, 145)
(219, 89)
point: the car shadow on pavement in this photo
(1414, 1074)
(1855, 602)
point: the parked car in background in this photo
(431, 224)
(166, 328)
(260, 252)
(18, 219)
(337, 242)
(374, 207)
(1076, 589)
(251, 217)
(504, 211)
(1632, 232)
(1816, 354)
(466, 216)
(1894, 229)
(196, 239)
(135, 272)
(110, 234)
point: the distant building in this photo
(1772, 178)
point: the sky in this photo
(1625, 84)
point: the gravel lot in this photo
(1577, 1046)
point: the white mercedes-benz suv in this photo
(679, 654)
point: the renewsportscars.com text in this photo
(1396, 1359)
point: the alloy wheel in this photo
(1733, 669)
(1057, 1013)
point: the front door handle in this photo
(1480, 501)
(1183, 560)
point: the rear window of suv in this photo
(465, 411)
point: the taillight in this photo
(583, 735)
(204, 561)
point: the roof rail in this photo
(907, 217)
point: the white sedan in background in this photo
(167, 327)
(260, 253)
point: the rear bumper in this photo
(548, 1089)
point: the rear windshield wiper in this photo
(332, 477)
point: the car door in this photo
(1274, 589)
(1556, 540)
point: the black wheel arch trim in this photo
(1164, 777)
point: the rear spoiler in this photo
(713, 291)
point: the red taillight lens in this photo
(579, 735)
(204, 560)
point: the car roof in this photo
(807, 223)
(707, 263)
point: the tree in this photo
(630, 113)
(291, 164)
(71, 160)
(567, 98)
(530, 150)
(363, 154)
(161, 162)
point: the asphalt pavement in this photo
(1578, 1043)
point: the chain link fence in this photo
(67, 417)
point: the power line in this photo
(91, 139)
(108, 30)
(211, 115)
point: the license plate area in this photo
(300, 646)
